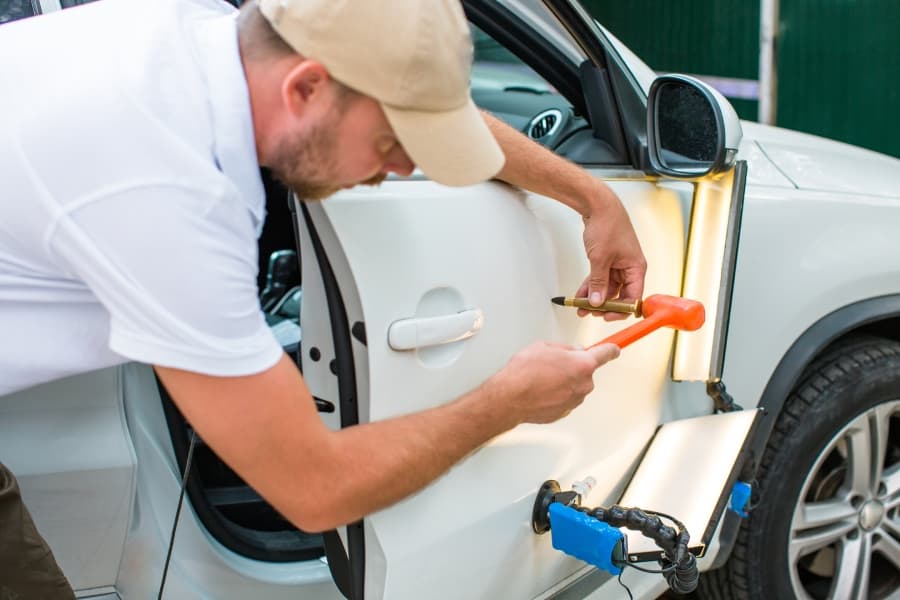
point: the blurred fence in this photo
(838, 61)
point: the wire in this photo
(625, 565)
(668, 569)
(184, 479)
(754, 487)
(665, 516)
(622, 583)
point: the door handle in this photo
(421, 332)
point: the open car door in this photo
(493, 257)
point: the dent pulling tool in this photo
(658, 310)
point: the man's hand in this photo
(546, 381)
(618, 265)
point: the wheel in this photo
(827, 523)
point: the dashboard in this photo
(522, 99)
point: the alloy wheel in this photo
(845, 532)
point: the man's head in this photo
(345, 91)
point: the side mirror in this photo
(692, 130)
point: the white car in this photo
(789, 240)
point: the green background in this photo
(838, 60)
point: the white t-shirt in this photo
(130, 196)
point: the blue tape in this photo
(740, 496)
(585, 538)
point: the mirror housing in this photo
(692, 130)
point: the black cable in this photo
(622, 583)
(679, 566)
(678, 523)
(754, 490)
(685, 577)
(651, 571)
(184, 479)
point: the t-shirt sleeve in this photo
(176, 268)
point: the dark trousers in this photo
(28, 570)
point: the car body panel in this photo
(815, 163)
(201, 567)
(803, 254)
(440, 251)
(68, 445)
(761, 171)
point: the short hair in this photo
(260, 42)
(258, 39)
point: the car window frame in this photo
(629, 98)
(514, 34)
(506, 22)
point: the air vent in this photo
(544, 124)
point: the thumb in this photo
(603, 353)
(598, 283)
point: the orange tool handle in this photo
(633, 333)
(660, 310)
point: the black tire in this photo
(841, 389)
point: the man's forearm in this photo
(265, 427)
(618, 266)
(535, 168)
(387, 461)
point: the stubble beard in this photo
(304, 163)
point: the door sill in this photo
(100, 593)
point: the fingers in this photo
(546, 380)
(611, 316)
(598, 283)
(616, 289)
(633, 282)
(604, 353)
(629, 290)
(582, 292)
(560, 346)
(582, 289)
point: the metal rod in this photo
(617, 306)
(768, 61)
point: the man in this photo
(130, 140)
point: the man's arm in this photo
(618, 265)
(266, 428)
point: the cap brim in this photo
(452, 147)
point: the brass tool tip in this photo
(618, 306)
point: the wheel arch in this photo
(878, 316)
(875, 316)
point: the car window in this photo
(495, 67)
(505, 86)
(13, 10)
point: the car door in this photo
(471, 272)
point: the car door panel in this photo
(416, 249)
(317, 346)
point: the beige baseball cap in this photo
(412, 56)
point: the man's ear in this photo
(304, 85)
